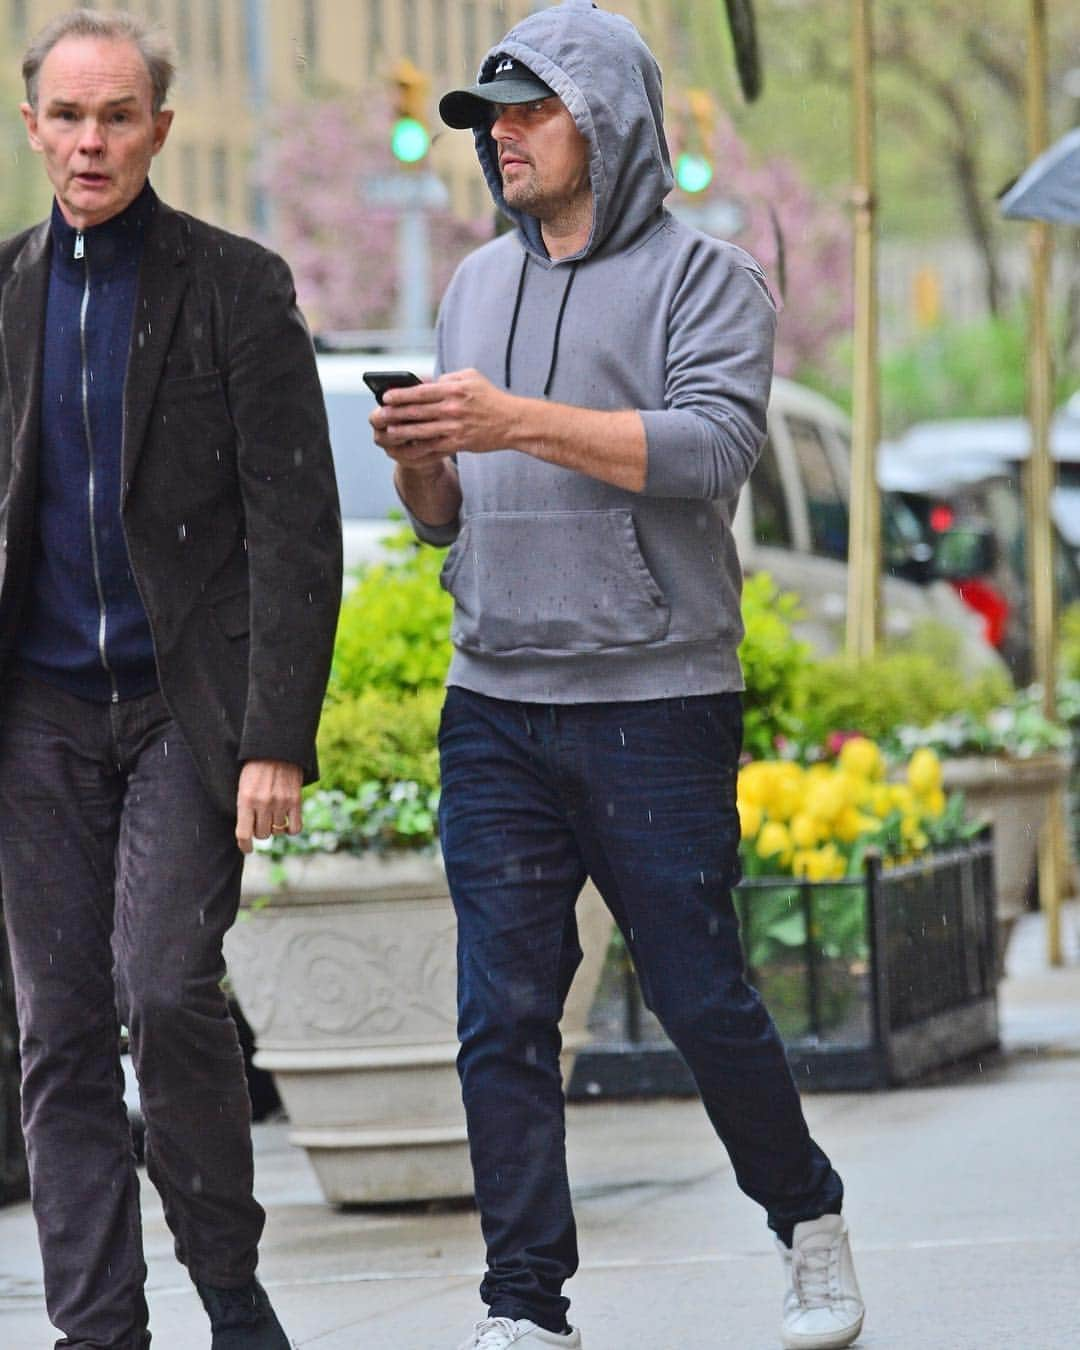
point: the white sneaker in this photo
(496, 1333)
(823, 1309)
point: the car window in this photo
(365, 475)
(825, 503)
(772, 524)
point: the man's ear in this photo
(162, 123)
(29, 116)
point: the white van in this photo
(792, 520)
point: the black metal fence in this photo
(873, 980)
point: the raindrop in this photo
(182, 533)
(622, 736)
(165, 748)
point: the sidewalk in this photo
(962, 1200)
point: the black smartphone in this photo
(379, 381)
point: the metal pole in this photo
(414, 271)
(864, 544)
(1040, 481)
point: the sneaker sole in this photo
(824, 1340)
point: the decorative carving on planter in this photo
(347, 975)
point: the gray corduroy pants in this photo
(120, 878)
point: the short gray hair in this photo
(153, 43)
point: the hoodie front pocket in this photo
(552, 581)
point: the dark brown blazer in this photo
(229, 501)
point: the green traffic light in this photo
(693, 173)
(409, 140)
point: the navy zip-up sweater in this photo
(84, 627)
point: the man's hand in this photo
(462, 410)
(268, 800)
(422, 426)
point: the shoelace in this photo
(493, 1333)
(811, 1273)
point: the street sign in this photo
(405, 191)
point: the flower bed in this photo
(872, 979)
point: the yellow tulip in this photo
(851, 823)
(861, 757)
(774, 841)
(881, 802)
(924, 771)
(934, 803)
(750, 818)
(826, 797)
(805, 830)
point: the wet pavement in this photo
(962, 1201)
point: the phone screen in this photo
(379, 381)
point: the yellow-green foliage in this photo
(772, 661)
(379, 736)
(1069, 644)
(394, 630)
(876, 696)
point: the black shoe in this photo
(242, 1319)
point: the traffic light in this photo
(693, 167)
(409, 138)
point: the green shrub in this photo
(394, 630)
(900, 688)
(380, 737)
(773, 662)
(1069, 643)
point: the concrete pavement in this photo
(963, 1202)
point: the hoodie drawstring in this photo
(558, 325)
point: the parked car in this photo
(963, 480)
(792, 521)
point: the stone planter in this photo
(347, 974)
(1014, 795)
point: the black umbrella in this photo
(1050, 188)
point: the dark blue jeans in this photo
(641, 797)
(120, 877)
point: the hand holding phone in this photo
(379, 381)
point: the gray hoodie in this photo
(567, 589)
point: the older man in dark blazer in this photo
(171, 567)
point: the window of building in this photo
(219, 179)
(500, 22)
(182, 32)
(440, 37)
(309, 36)
(470, 38)
(19, 21)
(376, 37)
(189, 177)
(215, 38)
(410, 30)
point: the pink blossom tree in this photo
(341, 245)
(801, 239)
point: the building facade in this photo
(241, 59)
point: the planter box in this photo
(871, 981)
(1014, 796)
(346, 972)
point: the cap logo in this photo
(503, 67)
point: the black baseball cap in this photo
(509, 82)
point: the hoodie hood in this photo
(610, 82)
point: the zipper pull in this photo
(79, 245)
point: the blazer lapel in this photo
(163, 278)
(22, 323)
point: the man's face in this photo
(95, 126)
(543, 157)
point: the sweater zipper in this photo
(91, 485)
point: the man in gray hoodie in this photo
(604, 378)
